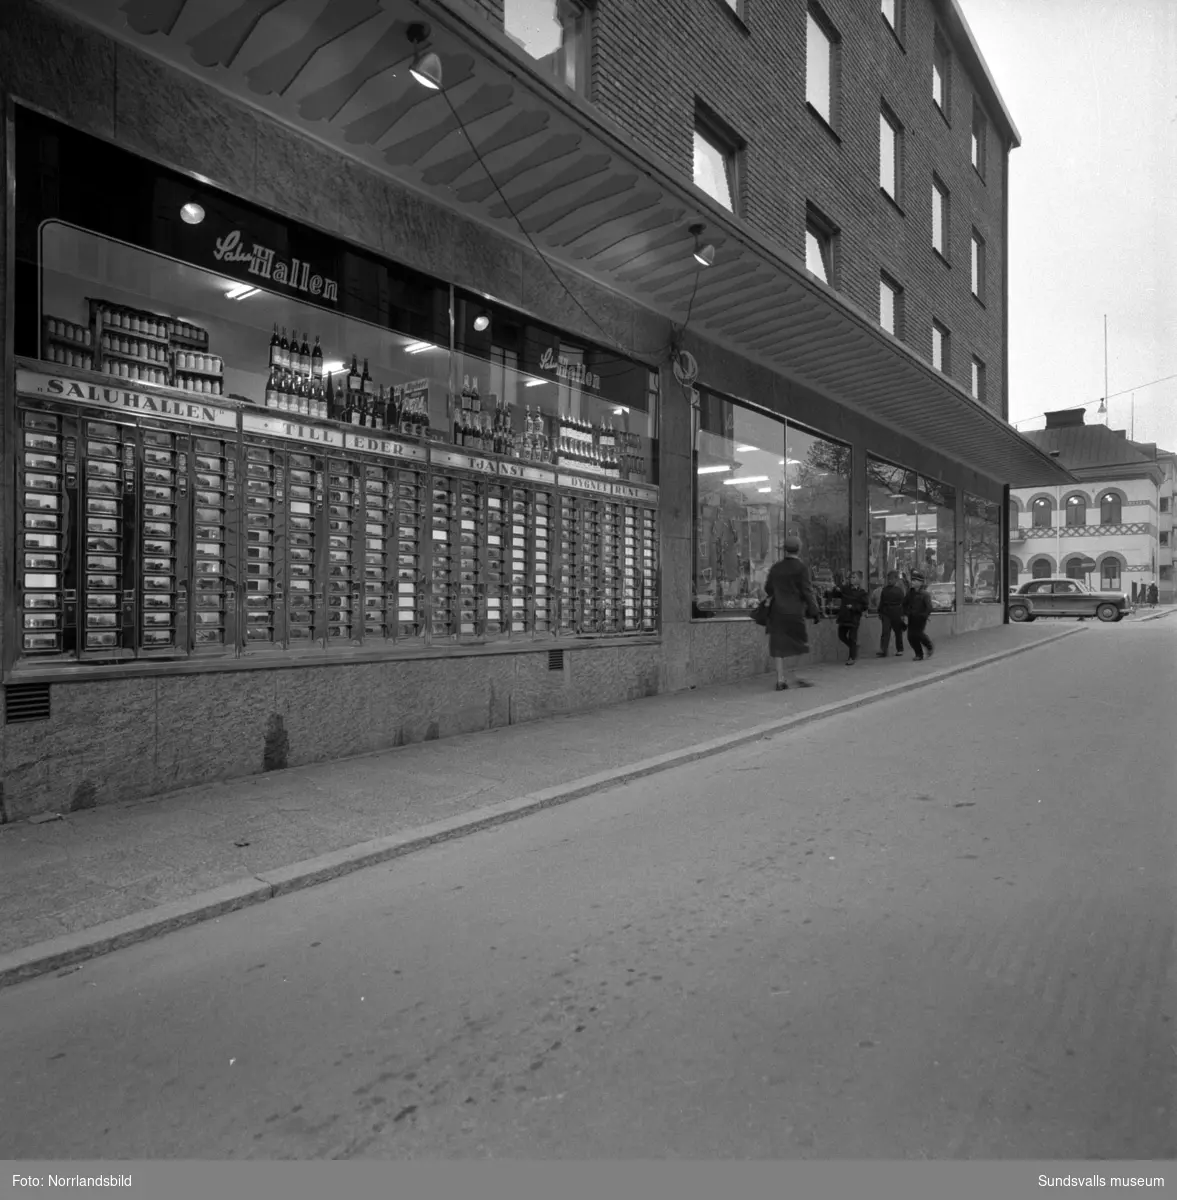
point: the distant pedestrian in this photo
(917, 608)
(791, 590)
(1153, 595)
(853, 604)
(891, 615)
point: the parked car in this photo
(943, 596)
(983, 593)
(1062, 597)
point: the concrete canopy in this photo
(587, 196)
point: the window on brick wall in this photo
(941, 346)
(939, 217)
(890, 305)
(556, 34)
(941, 68)
(890, 153)
(977, 267)
(821, 64)
(821, 244)
(717, 156)
(978, 379)
(979, 137)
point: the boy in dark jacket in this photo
(891, 615)
(853, 604)
(917, 608)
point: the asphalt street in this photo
(941, 926)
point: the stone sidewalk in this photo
(91, 881)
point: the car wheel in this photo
(1019, 612)
(1108, 612)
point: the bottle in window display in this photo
(304, 356)
(354, 380)
(284, 352)
(317, 360)
(272, 385)
(275, 349)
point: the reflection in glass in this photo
(912, 527)
(983, 529)
(758, 479)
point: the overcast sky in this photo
(1092, 88)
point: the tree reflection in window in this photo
(982, 551)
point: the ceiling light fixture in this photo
(745, 449)
(240, 290)
(747, 479)
(482, 322)
(426, 68)
(764, 489)
(713, 470)
(329, 368)
(191, 213)
(418, 347)
(535, 383)
(704, 254)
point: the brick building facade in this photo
(506, 202)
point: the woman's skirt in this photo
(787, 636)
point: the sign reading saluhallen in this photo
(263, 262)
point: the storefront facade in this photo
(301, 464)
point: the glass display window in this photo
(912, 528)
(759, 479)
(237, 438)
(982, 551)
(528, 392)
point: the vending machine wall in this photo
(156, 525)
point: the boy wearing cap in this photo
(917, 608)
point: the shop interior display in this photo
(142, 538)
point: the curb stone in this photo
(41, 958)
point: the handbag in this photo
(760, 612)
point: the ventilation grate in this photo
(555, 660)
(26, 702)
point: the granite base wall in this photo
(118, 740)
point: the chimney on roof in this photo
(1064, 416)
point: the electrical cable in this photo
(507, 204)
(663, 356)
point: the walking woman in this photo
(791, 591)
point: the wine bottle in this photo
(354, 382)
(329, 397)
(304, 356)
(475, 398)
(465, 397)
(317, 360)
(366, 384)
(284, 352)
(272, 384)
(275, 349)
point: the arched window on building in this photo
(1109, 511)
(1015, 569)
(1075, 569)
(1109, 571)
(1076, 511)
(1041, 511)
(1041, 569)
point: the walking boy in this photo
(853, 605)
(917, 607)
(891, 615)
